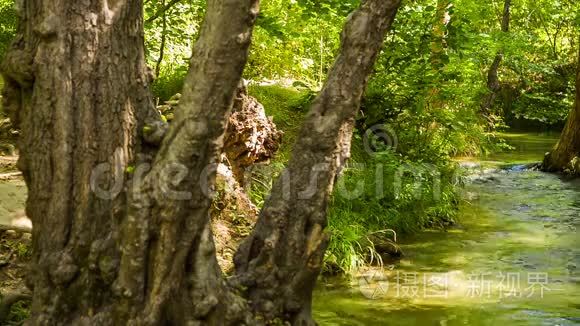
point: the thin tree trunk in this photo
(565, 154)
(493, 83)
(437, 56)
(280, 262)
(162, 45)
(438, 43)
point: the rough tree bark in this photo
(564, 156)
(118, 199)
(280, 261)
(493, 83)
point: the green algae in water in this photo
(527, 147)
(517, 238)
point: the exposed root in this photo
(10, 299)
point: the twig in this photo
(11, 175)
(161, 11)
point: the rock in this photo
(469, 165)
(384, 246)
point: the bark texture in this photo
(109, 250)
(77, 87)
(119, 200)
(281, 260)
(493, 83)
(565, 155)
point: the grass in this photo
(352, 221)
(287, 106)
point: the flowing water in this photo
(513, 259)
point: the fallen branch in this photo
(11, 175)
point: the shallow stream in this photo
(513, 258)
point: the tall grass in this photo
(399, 192)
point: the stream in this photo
(513, 258)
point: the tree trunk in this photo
(493, 83)
(77, 87)
(280, 261)
(162, 45)
(565, 154)
(109, 248)
(119, 200)
(438, 47)
(438, 43)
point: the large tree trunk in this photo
(110, 244)
(493, 84)
(564, 156)
(77, 87)
(119, 200)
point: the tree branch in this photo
(161, 11)
(177, 249)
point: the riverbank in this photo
(512, 259)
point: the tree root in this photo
(11, 299)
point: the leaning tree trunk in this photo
(280, 261)
(493, 84)
(119, 200)
(564, 157)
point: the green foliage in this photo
(418, 188)
(285, 106)
(169, 83)
(296, 39)
(8, 19)
(19, 313)
(388, 191)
